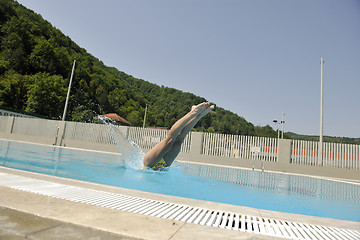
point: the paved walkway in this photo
(15, 225)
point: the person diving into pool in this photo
(165, 152)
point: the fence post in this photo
(196, 145)
(9, 125)
(125, 131)
(284, 151)
(60, 133)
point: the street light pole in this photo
(282, 124)
(320, 154)
(68, 93)
(277, 127)
(278, 136)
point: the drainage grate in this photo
(202, 216)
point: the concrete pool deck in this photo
(16, 225)
(26, 215)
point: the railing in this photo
(220, 145)
(34, 127)
(304, 152)
(237, 146)
(334, 154)
(89, 132)
(147, 138)
(3, 124)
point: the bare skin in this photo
(169, 147)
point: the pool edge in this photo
(193, 202)
(109, 220)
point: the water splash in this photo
(131, 152)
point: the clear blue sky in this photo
(255, 58)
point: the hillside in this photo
(35, 65)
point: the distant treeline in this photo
(35, 66)
(347, 140)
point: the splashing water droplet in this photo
(131, 152)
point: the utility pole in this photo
(320, 153)
(68, 93)
(145, 116)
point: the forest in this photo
(35, 66)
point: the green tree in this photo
(265, 131)
(46, 95)
(117, 99)
(6, 10)
(13, 89)
(134, 118)
(42, 58)
(82, 114)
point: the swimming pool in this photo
(270, 191)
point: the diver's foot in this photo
(206, 111)
(198, 109)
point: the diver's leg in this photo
(156, 153)
(170, 156)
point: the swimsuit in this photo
(160, 164)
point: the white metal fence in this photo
(34, 127)
(304, 152)
(213, 144)
(262, 148)
(147, 138)
(88, 132)
(334, 154)
(3, 124)
(237, 146)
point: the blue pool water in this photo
(270, 191)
